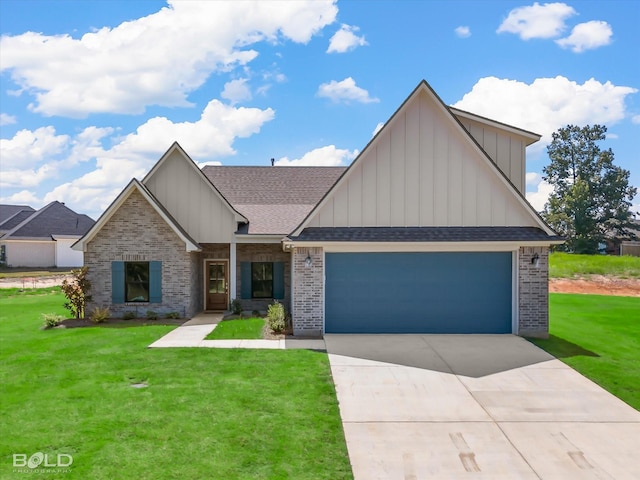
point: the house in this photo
(42, 238)
(427, 231)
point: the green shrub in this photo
(275, 316)
(129, 315)
(172, 315)
(52, 319)
(100, 314)
(236, 306)
(151, 315)
(255, 313)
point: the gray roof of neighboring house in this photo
(9, 211)
(423, 234)
(52, 219)
(274, 199)
(15, 220)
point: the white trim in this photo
(176, 147)
(245, 238)
(233, 294)
(534, 137)
(205, 282)
(26, 240)
(422, 246)
(117, 203)
(423, 86)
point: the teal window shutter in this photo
(245, 280)
(155, 282)
(278, 280)
(117, 282)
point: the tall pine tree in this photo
(592, 197)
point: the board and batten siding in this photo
(506, 150)
(421, 170)
(191, 200)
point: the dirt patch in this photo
(33, 282)
(597, 285)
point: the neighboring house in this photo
(42, 238)
(428, 231)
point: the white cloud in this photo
(29, 158)
(345, 91)
(587, 36)
(236, 91)
(155, 60)
(346, 39)
(23, 197)
(7, 119)
(538, 197)
(537, 21)
(377, 129)
(463, 31)
(635, 119)
(28, 148)
(328, 156)
(547, 103)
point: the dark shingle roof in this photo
(274, 199)
(8, 211)
(16, 220)
(53, 219)
(423, 234)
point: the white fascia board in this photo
(80, 245)
(422, 246)
(245, 238)
(65, 237)
(27, 240)
(527, 135)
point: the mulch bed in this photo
(118, 322)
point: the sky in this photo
(92, 93)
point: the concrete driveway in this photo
(476, 406)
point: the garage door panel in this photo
(418, 292)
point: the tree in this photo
(77, 292)
(592, 197)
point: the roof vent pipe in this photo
(273, 161)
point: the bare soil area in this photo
(33, 282)
(597, 285)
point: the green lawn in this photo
(245, 328)
(206, 413)
(567, 265)
(599, 336)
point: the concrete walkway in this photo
(193, 333)
(483, 406)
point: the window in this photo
(133, 282)
(136, 282)
(262, 280)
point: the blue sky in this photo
(93, 92)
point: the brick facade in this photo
(262, 252)
(533, 292)
(308, 292)
(136, 232)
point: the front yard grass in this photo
(202, 413)
(244, 328)
(599, 336)
(570, 265)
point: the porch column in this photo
(232, 270)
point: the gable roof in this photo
(175, 146)
(53, 219)
(134, 185)
(455, 125)
(274, 199)
(15, 220)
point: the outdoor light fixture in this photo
(308, 261)
(535, 260)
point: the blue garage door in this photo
(418, 292)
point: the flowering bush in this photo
(77, 292)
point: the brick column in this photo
(308, 292)
(533, 292)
